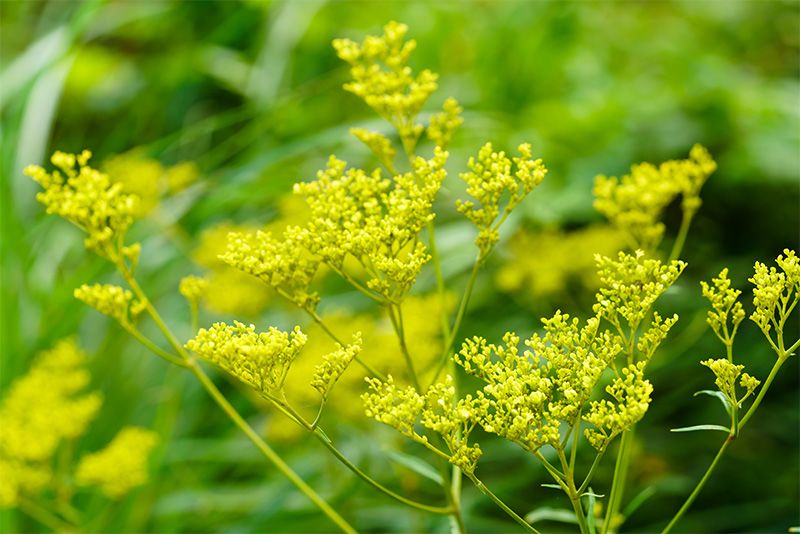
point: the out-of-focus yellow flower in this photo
(545, 264)
(121, 466)
(139, 175)
(181, 176)
(42, 409)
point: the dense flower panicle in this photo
(726, 308)
(635, 202)
(111, 300)
(776, 292)
(530, 395)
(655, 334)
(436, 409)
(491, 178)
(631, 284)
(631, 393)
(121, 466)
(282, 264)
(726, 373)
(87, 198)
(444, 124)
(383, 79)
(562, 259)
(259, 359)
(363, 216)
(40, 410)
(379, 144)
(334, 364)
(193, 288)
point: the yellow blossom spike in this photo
(193, 288)
(776, 293)
(385, 82)
(444, 124)
(334, 364)
(631, 393)
(87, 198)
(259, 359)
(111, 300)
(635, 202)
(491, 178)
(121, 466)
(727, 312)
(631, 284)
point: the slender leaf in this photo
(546, 513)
(718, 394)
(420, 467)
(554, 486)
(590, 510)
(637, 501)
(700, 427)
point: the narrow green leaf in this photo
(592, 494)
(590, 510)
(637, 501)
(701, 427)
(547, 513)
(554, 486)
(718, 394)
(418, 466)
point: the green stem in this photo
(677, 247)
(486, 491)
(44, 516)
(231, 412)
(266, 450)
(462, 307)
(155, 349)
(572, 492)
(763, 392)
(618, 482)
(699, 486)
(590, 474)
(320, 435)
(397, 323)
(440, 287)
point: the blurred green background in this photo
(246, 97)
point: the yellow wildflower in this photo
(111, 300)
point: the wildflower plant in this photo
(576, 382)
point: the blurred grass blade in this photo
(417, 465)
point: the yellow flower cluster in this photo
(121, 466)
(491, 177)
(532, 394)
(87, 198)
(229, 290)
(147, 178)
(281, 264)
(40, 411)
(631, 284)
(436, 409)
(111, 300)
(383, 79)
(259, 359)
(726, 373)
(363, 216)
(562, 259)
(776, 293)
(726, 308)
(631, 393)
(444, 124)
(334, 364)
(193, 288)
(635, 202)
(379, 144)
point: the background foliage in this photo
(250, 94)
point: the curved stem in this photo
(322, 438)
(677, 247)
(699, 486)
(572, 492)
(486, 491)
(763, 392)
(462, 307)
(397, 323)
(231, 412)
(155, 349)
(440, 287)
(44, 516)
(590, 474)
